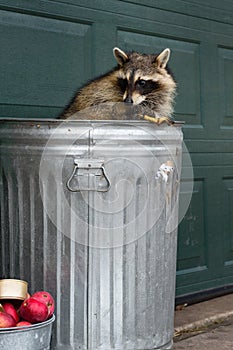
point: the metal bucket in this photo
(90, 213)
(35, 337)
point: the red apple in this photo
(10, 309)
(33, 310)
(23, 324)
(6, 320)
(46, 298)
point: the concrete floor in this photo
(206, 325)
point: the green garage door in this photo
(49, 48)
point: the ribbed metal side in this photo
(131, 287)
(108, 260)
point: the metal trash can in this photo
(89, 212)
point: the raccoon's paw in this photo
(159, 120)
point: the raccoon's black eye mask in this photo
(146, 86)
(122, 84)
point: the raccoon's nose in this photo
(128, 99)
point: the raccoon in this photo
(143, 81)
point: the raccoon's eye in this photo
(141, 82)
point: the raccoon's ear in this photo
(163, 58)
(120, 56)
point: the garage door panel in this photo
(226, 85)
(192, 252)
(43, 59)
(227, 214)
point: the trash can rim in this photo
(79, 121)
(28, 328)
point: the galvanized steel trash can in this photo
(89, 212)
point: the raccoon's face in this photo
(141, 77)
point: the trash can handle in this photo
(88, 175)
